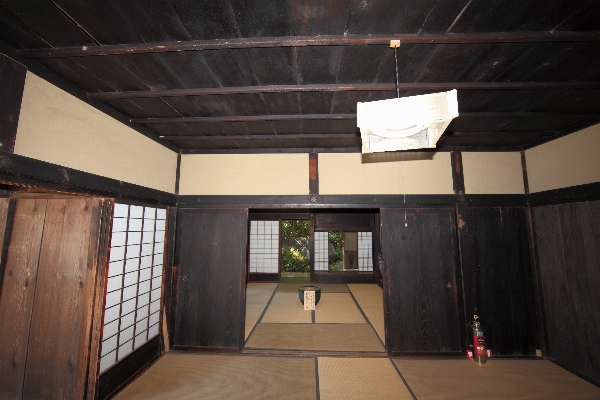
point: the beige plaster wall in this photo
(568, 161)
(493, 173)
(385, 173)
(244, 174)
(61, 129)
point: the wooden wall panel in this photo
(498, 277)
(7, 210)
(326, 222)
(567, 240)
(18, 293)
(61, 318)
(420, 284)
(211, 259)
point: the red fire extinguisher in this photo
(477, 349)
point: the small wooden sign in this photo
(309, 299)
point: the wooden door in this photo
(211, 282)
(420, 281)
(48, 298)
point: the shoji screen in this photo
(365, 251)
(321, 251)
(133, 295)
(264, 247)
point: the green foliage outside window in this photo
(295, 236)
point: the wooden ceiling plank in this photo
(273, 66)
(16, 34)
(204, 20)
(114, 73)
(77, 74)
(48, 21)
(93, 17)
(382, 16)
(155, 21)
(256, 18)
(259, 127)
(304, 41)
(320, 18)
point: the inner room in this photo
(333, 252)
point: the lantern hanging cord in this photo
(397, 81)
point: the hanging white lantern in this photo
(405, 123)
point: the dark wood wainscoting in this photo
(210, 293)
(567, 238)
(421, 287)
(497, 275)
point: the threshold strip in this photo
(365, 316)
(261, 315)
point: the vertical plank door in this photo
(421, 290)
(16, 303)
(48, 304)
(211, 257)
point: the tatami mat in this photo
(287, 308)
(338, 308)
(192, 376)
(325, 287)
(359, 378)
(257, 297)
(498, 379)
(317, 337)
(370, 300)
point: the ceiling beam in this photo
(343, 87)
(239, 118)
(325, 40)
(336, 135)
(250, 118)
(264, 137)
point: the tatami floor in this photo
(348, 318)
(337, 352)
(182, 376)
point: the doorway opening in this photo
(331, 250)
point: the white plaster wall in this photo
(493, 173)
(568, 161)
(385, 173)
(244, 174)
(56, 127)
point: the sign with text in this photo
(309, 300)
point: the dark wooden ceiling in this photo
(285, 75)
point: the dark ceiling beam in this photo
(250, 118)
(475, 133)
(264, 137)
(325, 40)
(528, 114)
(336, 135)
(343, 87)
(238, 118)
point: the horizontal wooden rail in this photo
(301, 41)
(345, 87)
(250, 118)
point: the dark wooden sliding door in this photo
(211, 260)
(421, 289)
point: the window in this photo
(343, 251)
(133, 294)
(264, 247)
